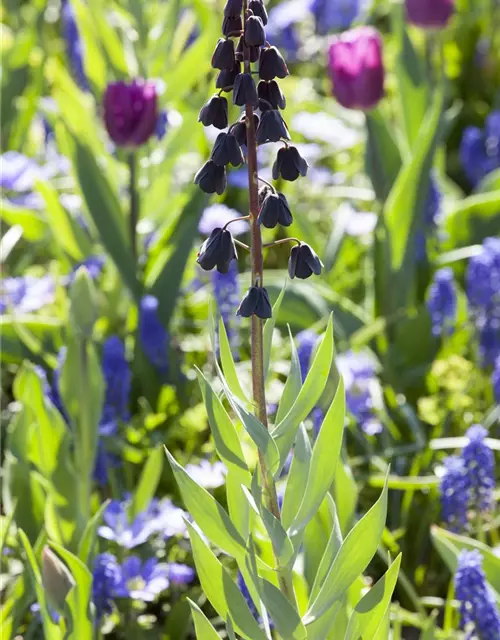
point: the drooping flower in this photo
(480, 464)
(145, 580)
(152, 334)
(117, 376)
(429, 14)
(107, 584)
(480, 149)
(455, 492)
(442, 301)
(334, 15)
(207, 475)
(74, 45)
(478, 609)
(357, 68)
(226, 290)
(130, 112)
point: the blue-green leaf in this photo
(148, 482)
(204, 629)
(297, 478)
(268, 332)
(228, 366)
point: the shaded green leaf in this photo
(148, 482)
(268, 332)
(204, 629)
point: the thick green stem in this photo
(134, 203)
(257, 341)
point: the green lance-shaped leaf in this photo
(268, 331)
(285, 431)
(203, 627)
(282, 545)
(207, 512)
(83, 310)
(87, 541)
(382, 158)
(323, 462)
(93, 60)
(285, 617)
(237, 504)
(472, 219)
(228, 366)
(297, 478)
(293, 383)
(220, 589)
(369, 613)
(148, 482)
(323, 626)
(353, 557)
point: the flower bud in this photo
(289, 164)
(227, 151)
(239, 130)
(214, 112)
(275, 210)
(429, 14)
(211, 178)
(217, 251)
(83, 310)
(255, 34)
(233, 8)
(226, 77)
(357, 69)
(258, 9)
(232, 26)
(56, 578)
(223, 56)
(244, 91)
(272, 127)
(272, 64)
(130, 112)
(271, 96)
(303, 262)
(255, 302)
(253, 53)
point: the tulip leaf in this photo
(282, 545)
(228, 366)
(297, 477)
(87, 541)
(203, 627)
(268, 331)
(353, 557)
(293, 383)
(148, 482)
(284, 616)
(207, 512)
(383, 158)
(331, 549)
(220, 589)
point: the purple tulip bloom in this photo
(145, 580)
(357, 68)
(429, 14)
(130, 112)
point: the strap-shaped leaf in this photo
(282, 545)
(207, 512)
(369, 613)
(283, 614)
(220, 588)
(268, 331)
(323, 462)
(228, 366)
(353, 557)
(148, 482)
(203, 627)
(331, 549)
(293, 383)
(237, 504)
(297, 478)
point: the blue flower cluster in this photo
(152, 334)
(74, 46)
(442, 302)
(480, 149)
(495, 379)
(478, 610)
(118, 379)
(134, 578)
(26, 294)
(432, 212)
(483, 293)
(334, 15)
(468, 480)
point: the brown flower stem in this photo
(134, 203)
(257, 340)
(282, 241)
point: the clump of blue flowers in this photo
(483, 293)
(468, 480)
(74, 46)
(334, 15)
(118, 379)
(152, 334)
(442, 302)
(480, 149)
(478, 609)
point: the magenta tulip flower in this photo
(357, 68)
(429, 14)
(130, 112)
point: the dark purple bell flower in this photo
(270, 96)
(252, 53)
(258, 9)
(245, 91)
(239, 130)
(289, 164)
(214, 112)
(272, 65)
(223, 57)
(255, 302)
(232, 25)
(218, 250)
(227, 151)
(233, 8)
(130, 112)
(255, 34)
(226, 77)
(429, 14)
(272, 127)
(303, 262)
(211, 178)
(275, 210)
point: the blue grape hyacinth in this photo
(442, 302)
(145, 580)
(306, 344)
(107, 584)
(480, 464)
(152, 334)
(334, 15)
(478, 610)
(118, 378)
(455, 491)
(74, 44)
(227, 295)
(480, 149)
(495, 380)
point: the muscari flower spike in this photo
(442, 302)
